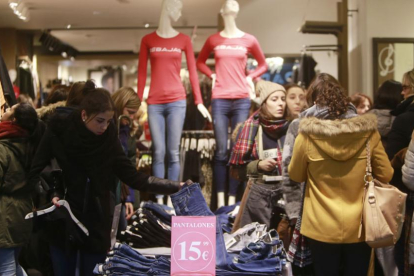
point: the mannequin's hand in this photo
(203, 110)
(213, 80)
(129, 210)
(267, 165)
(251, 87)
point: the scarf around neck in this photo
(90, 151)
(245, 148)
(10, 130)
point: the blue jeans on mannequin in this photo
(166, 119)
(225, 111)
(9, 265)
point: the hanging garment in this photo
(6, 83)
(25, 82)
(306, 70)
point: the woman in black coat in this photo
(400, 134)
(87, 149)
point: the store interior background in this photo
(108, 32)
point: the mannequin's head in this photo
(230, 7)
(173, 8)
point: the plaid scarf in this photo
(246, 146)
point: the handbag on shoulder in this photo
(383, 210)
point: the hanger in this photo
(65, 204)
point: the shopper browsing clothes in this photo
(20, 133)
(330, 155)
(86, 146)
(258, 155)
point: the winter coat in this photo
(385, 120)
(330, 155)
(292, 190)
(400, 134)
(15, 201)
(45, 112)
(408, 179)
(90, 164)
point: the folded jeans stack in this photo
(151, 227)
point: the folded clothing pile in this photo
(151, 227)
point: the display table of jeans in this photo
(151, 227)
(265, 256)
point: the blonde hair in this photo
(125, 97)
(409, 77)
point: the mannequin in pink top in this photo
(167, 97)
(232, 88)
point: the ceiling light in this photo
(64, 54)
(20, 9)
(68, 26)
(146, 25)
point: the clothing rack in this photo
(198, 132)
(321, 48)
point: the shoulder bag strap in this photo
(367, 178)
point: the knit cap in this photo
(265, 88)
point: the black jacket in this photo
(90, 164)
(400, 134)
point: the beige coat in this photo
(330, 155)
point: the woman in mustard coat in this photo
(330, 155)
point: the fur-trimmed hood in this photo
(45, 111)
(339, 139)
(321, 127)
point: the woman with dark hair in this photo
(85, 144)
(386, 99)
(295, 100)
(20, 133)
(330, 156)
(257, 155)
(65, 106)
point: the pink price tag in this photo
(193, 246)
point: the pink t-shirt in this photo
(230, 55)
(165, 56)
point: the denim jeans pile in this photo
(151, 227)
(262, 256)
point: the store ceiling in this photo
(111, 25)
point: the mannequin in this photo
(167, 98)
(232, 89)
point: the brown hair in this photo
(326, 91)
(359, 98)
(75, 95)
(125, 97)
(314, 87)
(97, 101)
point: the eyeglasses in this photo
(406, 87)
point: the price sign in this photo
(193, 245)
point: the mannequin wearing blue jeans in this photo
(166, 123)
(224, 111)
(9, 265)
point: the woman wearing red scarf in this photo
(257, 155)
(20, 133)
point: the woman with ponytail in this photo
(20, 133)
